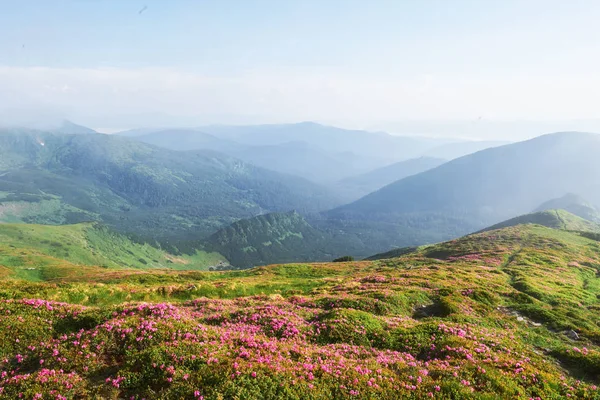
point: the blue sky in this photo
(353, 63)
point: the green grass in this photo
(492, 307)
(557, 219)
(43, 251)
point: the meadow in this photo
(509, 313)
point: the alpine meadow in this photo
(299, 200)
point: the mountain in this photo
(132, 133)
(377, 145)
(307, 161)
(139, 189)
(555, 219)
(506, 314)
(70, 128)
(574, 204)
(450, 151)
(270, 238)
(280, 238)
(297, 157)
(185, 139)
(484, 188)
(358, 186)
(45, 252)
(47, 124)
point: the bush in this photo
(350, 326)
(344, 259)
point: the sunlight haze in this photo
(428, 67)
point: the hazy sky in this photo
(375, 64)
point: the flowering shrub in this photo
(265, 349)
(449, 330)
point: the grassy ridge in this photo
(557, 219)
(510, 313)
(42, 252)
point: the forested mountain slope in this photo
(137, 188)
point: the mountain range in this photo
(186, 192)
(157, 194)
(484, 188)
(320, 153)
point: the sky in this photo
(485, 69)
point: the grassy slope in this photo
(38, 252)
(574, 204)
(484, 316)
(556, 219)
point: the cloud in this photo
(291, 94)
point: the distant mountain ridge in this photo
(358, 186)
(295, 157)
(394, 253)
(184, 139)
(71, 128)
(137, 188)
(370, 144)
(204, 199)
(481, 189)
(450, 151)
(320, 153)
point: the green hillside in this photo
(271, 238)
(138, 189)
(574, 204)
(556, 219)
(510, 313)
(289, 237)
(42, 252)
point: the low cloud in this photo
(106, 96)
